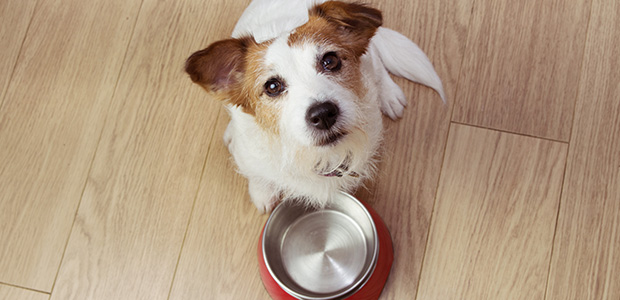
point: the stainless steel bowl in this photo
(321, 254)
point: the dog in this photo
(305, 82)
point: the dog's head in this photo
(307, 85)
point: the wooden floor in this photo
(115, 183)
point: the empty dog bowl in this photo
(341, 251)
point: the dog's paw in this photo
(393, 100)
(264, 197)
(266, 208)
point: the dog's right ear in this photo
(219, 68)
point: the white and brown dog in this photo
(305, 82)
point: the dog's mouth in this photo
(330, 138)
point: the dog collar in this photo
(339, 173)
(340, 170)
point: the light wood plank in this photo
(14, 293)
(50, 123)
(220, 253)
(494, 218)
(15, 16)
(145, 177)
(404, 190)
(521, 70)
(586, 256)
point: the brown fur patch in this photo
(266, 109)
(345, 28)
(355, 24)
(321, 32)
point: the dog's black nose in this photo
(322, 115)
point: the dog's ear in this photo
(358, 23)
(219, 68)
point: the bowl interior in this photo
(320, 254)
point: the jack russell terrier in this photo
(305, 82)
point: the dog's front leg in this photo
(263, 195)
(392, 99)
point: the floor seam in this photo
(24, 288)
(19, 55)
(568, 152)
(510, 132)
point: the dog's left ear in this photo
(356, 22)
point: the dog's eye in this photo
(274, 87)
(331, 62)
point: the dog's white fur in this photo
(288, 164)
